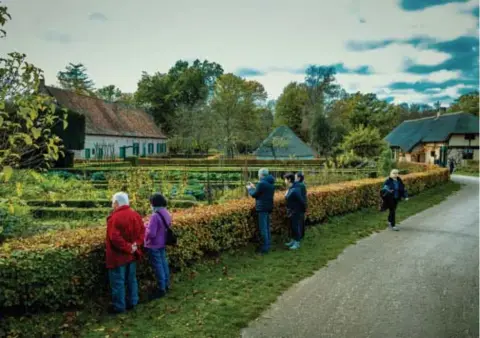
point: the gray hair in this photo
(121, 198)
(263, 172)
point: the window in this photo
(150, 148)
(164, 147)
(144, 150)
(93, 151)
(467, 154)
(158, 148)
(136, 149)
(469, 136)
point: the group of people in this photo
(296, 201)
(128, 236)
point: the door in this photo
(87, 153)
(122, 152)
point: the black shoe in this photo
(157, 295)
(114, 311)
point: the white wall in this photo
(117, 142)
(459, 140)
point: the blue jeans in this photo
(125, 274)
(264, 226)
(296, 222)
(158, 259)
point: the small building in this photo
(284, 144)
(112, 130)
(438, 138)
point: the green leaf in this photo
(7, 173)
(36, 132)
(53, 107)
(65, 124)
(1, 121)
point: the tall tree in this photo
(291, 108)
(183, 85)
(467, 103)
(109, 93)
(236, 106)
(364, 142)
(76, 79)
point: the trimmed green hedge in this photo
(74, 213)
(57, 270)
(70, 203)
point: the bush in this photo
(73, 213)
(98, 176)
(61, 269)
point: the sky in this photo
(414, 51)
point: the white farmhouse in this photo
(112, 129)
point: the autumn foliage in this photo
(61, 269)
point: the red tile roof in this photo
(104, 118)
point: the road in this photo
(419, 282)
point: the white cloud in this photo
(152, 35)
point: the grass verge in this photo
(218, 298)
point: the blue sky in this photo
(416, 51)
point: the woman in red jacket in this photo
(125, 233)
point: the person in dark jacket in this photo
(296, 206)
(125, 233)
(393, 191)
(451, 165)
(300, 180)
(156, 241)
(263, 193)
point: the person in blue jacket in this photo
(263, 193)
(296, 206)
(300, 180)
(393, 191)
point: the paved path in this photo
(419, 282)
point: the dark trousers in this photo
(296, 223)
(392, 208)
(264, 227)
(302, 226)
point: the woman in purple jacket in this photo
(155, 243)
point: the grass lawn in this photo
(467, 173)
(219, 298)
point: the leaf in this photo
(7, 173)
(1, 121)
(65, 124)
(36, 133)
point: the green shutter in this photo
(87, 153)
(158, 148)
(122, 152)
(144, 150)
(150, 148)
(136, 149)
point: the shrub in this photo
(61, 269)
(98, 176)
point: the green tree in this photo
(326, 135)
(386, 162)
(109, 93)
(26, 117)
(4, 17)
(467, 103)
(183, 85)
(236, 105)
(291, 108)
(364, 142)
(76, 79)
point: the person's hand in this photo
(134, 247)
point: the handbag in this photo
(171, 236)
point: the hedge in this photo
(62, 269)
(67, 212)
(71, 203)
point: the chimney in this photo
(41, 86)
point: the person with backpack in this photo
(392, 192)
(296, 206)
(300, 181)
(156, 240)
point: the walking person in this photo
(156, 242)
(125, 232)
(300, 180)
(263, 193)
(296, 206)
(451, 166)
(393, 191)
